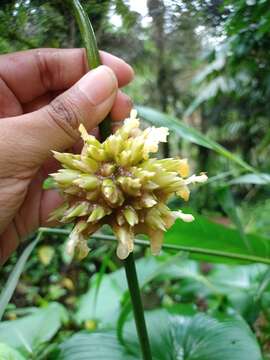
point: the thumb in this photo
(55, 126)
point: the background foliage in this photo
(202, 69)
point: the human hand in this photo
(43, 99)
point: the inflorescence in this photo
(117, 183)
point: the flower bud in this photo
(107, 169)
(125, 241)
(87, 182)
(82, 249)
(124, 158)
(111, 193)
(65, 176)
(85, 165)
(129, 185)
(113, 146)
(184, 193)
(66, 158)
(154, 220)
(156, 237)
(98, 213)
(146, 201)
(130, 216)
(76, 237)
(58, 213)
(96, 153)
(77, 210)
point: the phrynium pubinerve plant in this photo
(115, 181)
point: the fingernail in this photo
(98, 84)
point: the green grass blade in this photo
(190, 134)
(12, 281)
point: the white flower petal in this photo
(185, 217)
(196, 179)
(153, 136)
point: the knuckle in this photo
(65, 115)
(48, 67)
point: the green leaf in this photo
(242, 285)
(105, 308)
(171, 337)
(112, 287)
(7, 353)
(13, 279)
(95, 346)
(160, 119)
(226, 200)
(27, 333)
(256, 179)
(215, 242)
(196, 338)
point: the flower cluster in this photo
(117, 183)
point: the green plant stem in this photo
(92, 53)
(191, 249)
(136, 301)
(93, 59)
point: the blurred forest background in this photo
(205, 64)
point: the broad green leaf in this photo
(242, 287)
(160, 119)
(13, 278)
(105, 308)
(196, 338)
(243, 277)
(172, 337)
(7, 353)
(214, 242)
(27, 333)
(95, 346)
(256, 179)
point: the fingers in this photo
(121, 107)
(55, 127)
(30, 74)
(122, 70)
(11, 237)
(9, 104)
(51, 199)
(9, 240)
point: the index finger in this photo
(30, 74)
